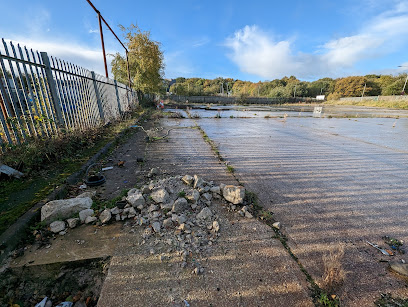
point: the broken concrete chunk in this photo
(72, 223)
(168, 223)
(234, 194)
(276, 225)
(198, 182)
(187, 179)
(204, 214)
(133, 191)
(215, 226)
(193, 196)
(84, 214)
(215, 190)
(207, 196)
(105, 216)
(401, 268)
(11, 172)
(136, 199)
(90, 219)
(115, 210)
(64, 208)
(180, 205)
(153, 172)
(156, 227)
(160, 195)
(57, 226)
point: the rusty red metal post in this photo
(103, 45)
(100, 17)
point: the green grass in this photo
(230, 169)
(402, 105)
(182, 194)
(47, 163)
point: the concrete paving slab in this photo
(330, 182)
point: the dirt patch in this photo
(69, 281)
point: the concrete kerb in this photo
(16, 232)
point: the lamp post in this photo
(406, 79)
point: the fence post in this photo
(98, 98)
(117, 97)
(53, 88)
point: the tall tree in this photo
(145, 62)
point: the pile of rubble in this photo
(178, 211)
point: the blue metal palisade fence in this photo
(39, 95)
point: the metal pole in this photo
(405, 84)
(103, 44)
(365, 84)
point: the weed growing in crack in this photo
(334, 273)
(230, 169)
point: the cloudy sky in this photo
(248, 40)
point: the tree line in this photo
(369, 85)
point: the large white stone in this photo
(64, 208)
(105, 216)
(234, 194)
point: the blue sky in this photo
(247, 40)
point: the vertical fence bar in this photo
(98, 98)
(118, 98)
(53, 88)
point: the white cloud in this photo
(74, 53)
(201, 42)
(91, 31)
(257, 53)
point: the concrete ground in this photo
(331, 183)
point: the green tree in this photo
(145, 62)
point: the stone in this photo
(215, 226)
(204, 214)
(401, 268)
(62, 233)
(188, 180)
(153, 172)
(90, 219)
(146, 190)
(160, 195)
(215, 190)
(118, 218)
(136, 199)
(153, 208)
(72, 223)
(168, 223)
(156, 227)
(133, 191)
(64, 208)
(115, 210)
(129, 212)
(207, 196)
(84, 214)
(276, 225)
(234, 194)
(105, 216)
(143, 221)
(57, 226)
(89, 194)
(193, 196)
(198, 182)
(168, 206)
(180, 205)
(248, 215)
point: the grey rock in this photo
(136, 199)
(198, 182)
(207, 196)
(89, 194)
(215, 190)
(146, 190)
(133, 191)
(160, 195)
(193, 196)
(64, 208)
(234, 194)
(188, 180)
(401, 268)
(152, 208)
(156, 227)
(168, 223)
(153, 172)
(248, 215)
(105, 216)
(84, 214)
(204, 214)
(72, 223)
(129, 212)
(118, 217)
(115, 210)
(91, 219)
(79, 304)
(180, 205)
(168, 206)
(62, 233)
(215, 226)
(57, 226)
(143, 221)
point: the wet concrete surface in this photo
(330, 182)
